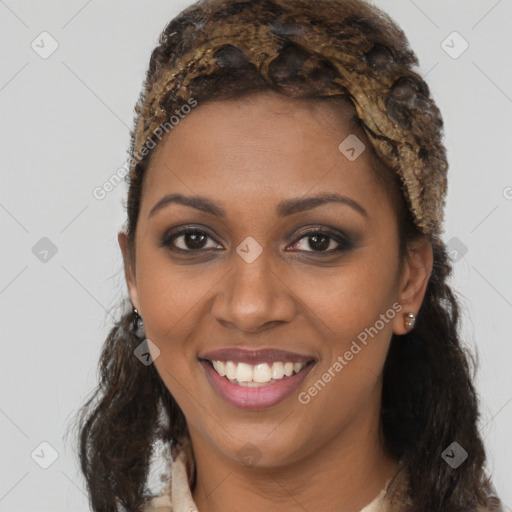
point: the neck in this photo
(345, 473)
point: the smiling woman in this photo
(290, 335)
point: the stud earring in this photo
(138, 324)
(410, 320)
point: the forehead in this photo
(264, 145)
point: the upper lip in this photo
(253, 356)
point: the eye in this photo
(320, 239)
(193, 240)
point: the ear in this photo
(414, 279)
(129, 271)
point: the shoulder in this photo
(397, 497)
(159, 504)
(176, 495)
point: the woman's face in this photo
(251, 281)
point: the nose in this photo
(253, 296)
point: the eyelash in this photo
(344, 244)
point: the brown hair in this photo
(428, 398)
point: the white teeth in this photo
(262, 373)
(288, 369)
(253, 375)
(277, 371)
(244, 372)
(230, 369)
(219, 367)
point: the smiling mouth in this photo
(257, 375)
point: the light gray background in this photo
(65, 124)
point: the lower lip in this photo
(254, 397)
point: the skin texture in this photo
(248, 156)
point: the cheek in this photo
(170, 295)
(171, 306)
(355, 309)
(353, 355)
(350, 298)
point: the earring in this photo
(410, 319)
(138, 324)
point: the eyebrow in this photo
(285, 208)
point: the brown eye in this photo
(325, 242)
(315, 241)
(190, 240)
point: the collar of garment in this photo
(176, 496)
